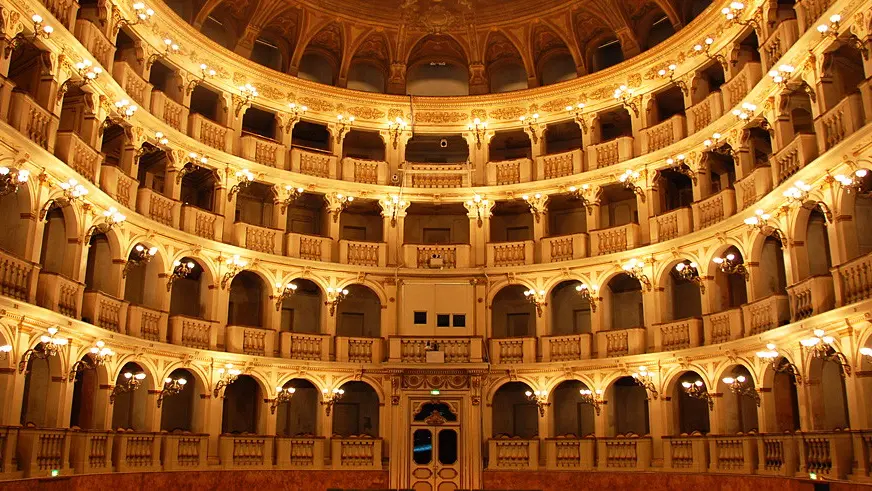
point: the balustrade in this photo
(201, 223)
(705, 111)
(60, 294)
(168, 110)
(105, 311)
(663, 134)
(436, 256)
(793, 157)
(147, 323)
(363, 253)
(435, 176)
(356, 453)
(734, 454)
(611, 152)
(263, 150)
(510, 253)
(681, 334)
(570, 453)
(620, 343)
(311, 247)
(624, 453)
(509, 172)
(64, 11)
(811, 297)
(435, 349)
(42, 450)
(672, 224)
(359, 350)
(765, 314)
(18, 278)
(365, 171)
(301, 346)
(255, 238)
(714, 209)
(564, 247)
(184, 451)
(210, 133)
(134, 85)
(246, 452)
(33, 121)
(560, 164)
(567, 348)
(137, 452)
(91, 451)
(826, 454)
(512, 350)
(615, 239)
(724, 326)
(809, 11)
(71, 149)
(300, 452)
(513, 454)
(839, 122)
(779, 41)
(853, 280)
(193, 332)
(314, 163)
(253, 341)
(157, 207)
(777, 454)
(737, 87)
(121, 187)
(753, 187)
(685, 454)
(96, 42)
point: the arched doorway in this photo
(299, 417)
(627, 408)
(513, 414)
(739, 401)
(130, 398)
(573, 418)
(435, 462)
(242, 406)
(359, 314)
(512, 315)
(356, 414)
(301, 312)
(690, 414)
(178, 408)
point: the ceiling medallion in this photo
(437, 16)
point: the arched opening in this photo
(572, 417)
(843, 75)
(622, 299)
(151, 174)
(359, 314)
(362, 222)
(562, 137)
(83, 410)
(113, 144)
(434, 224)
(684, 299)
(301, 312)
(722, 173)
(247, 300)
(265, 52)
(748, 52)
(675, 191)
(509, 145)
(663, 106)
(25, 70)
(437, 66)
(58, 252)
(299, 417)
(219, 31)
(628, 408)
(311, 136)
(366, 77)
(261, 123)
(255, 205)
(208, 104)
(730, 285)
(607, 54)
(566, 216)
(551, 56)
(243, 401)
(15, 228)
(316, 67)
(437, 149)
(739, 401)
(708, 80)
(504, 65)
(557, 67)
(785, 397)
(37, 387)
(771, 277)
(323, 56)
(513, 414)
(827, 394)
(817, 245)
(862, 216)
(130, 407)
(618, 206)
(570, 313)
(166, 81)
(357, 412)
(611, 125)
(512, 315)
(198, 189)
(306, 215)
(99, 267)
(367, 145)
(190, 294)
(659, 29)
(511, 221)
(178, 409)
(691, 414)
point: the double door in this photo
(435, 442)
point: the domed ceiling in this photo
(395, 34)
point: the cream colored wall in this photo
(415, 225)
(435, 297)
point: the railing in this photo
(839, 122)
(363, 253)
(63, 10)
(301, 346)
(564, 247)
(615, 239)
(663, 134)
(685, 454)
(137, 452)
(60, 294)
(567, 348)
(245, 452)
(18, 278)
(311, 247)
(793, 157)
(157, 207)
(513, 454)
(509, 172)
(252, 341)
(560, 164)
(611, 152)
(513, 350)
(625, 453)
(91, 451)
(313, 163)
(210, 133)
(570, 453)
(170, 111)
(765, 314)
(435, 349)
(811, 297)
(825, 454)
(681, 334)
(714, 209)
(853, 280)
(95, 41)
(721, 327)
(184, 451)
(359, 350)
(263, 150)
(31, 120)
(510, 253)
(736, 454)
(121, 187)
(255, 238)
(704, 112)
(193, 332)
(777, 455)
(147, 323)
(136, 87)
(672, 224)
(620, 343)
(753, 186)
(365, 171)
(809, 11)
(299, 452)
(72, 150)
(356, 453)
(105, 311)
(736, 88)
(436, 176)
(201, 223)
(436, 256)
(780, 40)
(862, 454)
(41, 450)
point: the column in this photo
(479, 212)
(214, 409)
(234, 115)
(478, 141)
(645, 197)
(658, 417)
(638, 110)
(394, 218)
(395, 150)
(397, 78)
(335, 204)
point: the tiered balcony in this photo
(721, 327)
(663, 134)
(121, 187)
(510, 253)
(210, 133)
(302, 346)
(64, 11)
(300, 453)
(193, 332)
(615, 239)
(202, 223)
(436, 176)
(91, 451)
(436, 256)
(685, 453)
(780, 40)
(263, 150)
(624, 453)
(672, 224)
(564, 248)
(254, 341)
(567, 348)
(157, 207)
(356, 453)
(512, 454)
(43, 450)
(765, 314)
(733, 454)
(853, 280)
(186, 451)
(610, 153)
(435, 349)
(246, 452)
(135, 86)
(311, 247)
(509, 172)
(704, 112)
(811, 296)
(105, 311)
(737, 87)
(32, 120)
(168, 110)
(620, 343)
(512, 350)
(714, 209)
(137, 452)
(839, 122)
(681, 334)
(18, 278)
(793, 157)
(365, 171)
(260, 239)
(363, 253)
(96, 42)
(70, 148)
(570, 454)
(147, 323)
(809, 11)
(311, 163)
(60, 294)
(560, 164)
(359, 350)
(753, 187)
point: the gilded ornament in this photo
(507, 113)
(441, 117)
(363, 112)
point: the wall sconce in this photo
(205, 72)
(141, 257)
(669, 72)
(540, 398)
(531, 126)
(111, 218)
(740, 388)
(5, 350)
(478, 129)
(141, 13)
(705, 49)
(697, 390)
(852, 183)
(771, 354)
(125, 109)
(345, 124)
(589, 293)
(689, 271)
(156, 144)
(712, 142)
(334, 297)
(760, 221)
(782, 74)
(636, 269)
(831, 30)
(478, 208)
(329, 397)
(799, 194)
(821, 346)
(244, 178)
(98, 355)
(729, 265)
(12, 179)
(87, 73)
(131, 382)
(681, 165)
(71, 191)
(624, 95)
(536, 203)
(577, 112)
(628, 179)
(391, 207)
(291, 195)
(537, 298)
(864, 351)
(745, 112)
(171, 387)
(593, 398)
(734, 11)
(283, 292)
(583, 194)
(283, 396)
(294, 116)
(170, 47)
(193, 164)
(395, 129)
(338, 203)
(247, 94)
(643, 378)
(234, 265)
(180, 270)
(40, 30)
(226, 376)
